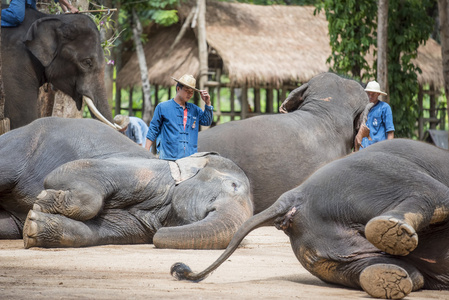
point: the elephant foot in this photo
(386, 281)
(42, 230)
(391, 235)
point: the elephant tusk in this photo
(95, 111)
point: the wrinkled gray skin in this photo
(278, 152)
(64, 50)
(102, 188)
(377, 219)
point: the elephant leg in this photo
(395, 230)
(53, 230)
(81, 203)
(8, 227)
(380, 276)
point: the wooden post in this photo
(156, 95)
(269, 108)
(382, 42)
(244, 97)
(232, 96)
(217, 104)
(257, 100)
(118, 100)
(130, 106)
(432, 110)
(421, 112)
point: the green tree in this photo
(352, 26)
(409, 25)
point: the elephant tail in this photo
(182, 271)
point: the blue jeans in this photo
(15, 13)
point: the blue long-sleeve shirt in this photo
(173, 141)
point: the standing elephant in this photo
(78, 182)
(357, 221)
(64, 50)
(278, 152)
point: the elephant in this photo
(64, 50)
(77, 182)
(279, 151)
(376, 220)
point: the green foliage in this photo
(276, 2)
(352, 32)
(408, 27)
(161, 12)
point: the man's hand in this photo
(363, 132)
(205, 96)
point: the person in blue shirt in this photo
(176, 122)
(13, 15)
(380, 117)
(133, 127)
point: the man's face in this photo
(186, 93)
(373, 96)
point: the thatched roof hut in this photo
(255, 46)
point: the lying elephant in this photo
(78, 182)
(278, 152)
(357, 221)
(64, 50)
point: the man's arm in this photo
(67, 7)
(148, 144)
(390, 135)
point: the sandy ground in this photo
(264, 267)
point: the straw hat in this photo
(121, 121)
(188, 81)
(374, 87)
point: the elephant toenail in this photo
(42, 194)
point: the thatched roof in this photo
(258, 45)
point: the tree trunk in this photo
(382, 45)
(137, 31)
(443, 11)
(4, 122)
(106, 34)
(202, 42)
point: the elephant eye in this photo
(88, 62)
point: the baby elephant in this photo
(377, 219)
(77, 182)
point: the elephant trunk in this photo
(213, 232)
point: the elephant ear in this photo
(187, 167)
(41, 39)
(294, 99)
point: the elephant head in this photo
(70, 51)
(331, 88)
(64, 50)
(210, 201)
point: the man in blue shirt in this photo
(380, 117)
(176, 122)
(13, 15)
(133, 127)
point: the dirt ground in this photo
(264, 267)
